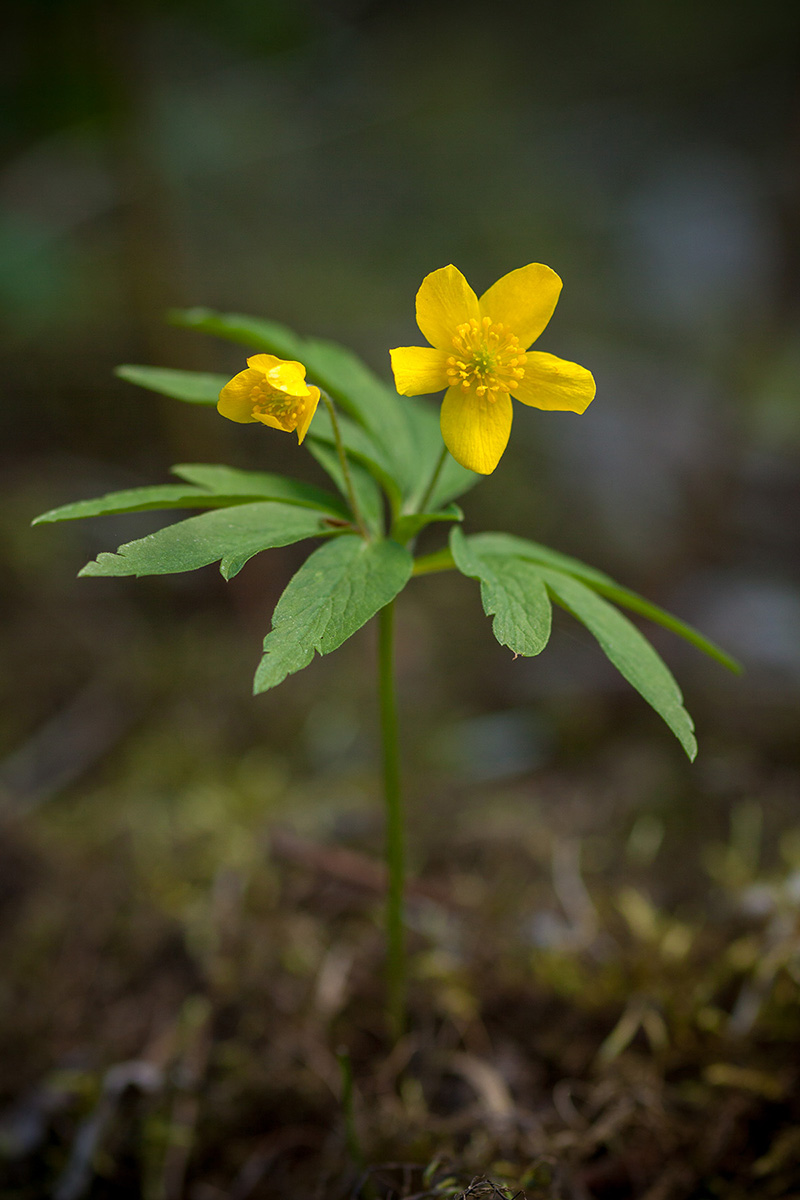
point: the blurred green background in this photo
(311, 162)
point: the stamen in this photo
(487, 361)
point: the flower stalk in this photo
(348, 478)
(395, 841)
(431, 488)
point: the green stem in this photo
(395, 848)
(348, 1109)
(434, 480)
(440, 560)
(348, 479)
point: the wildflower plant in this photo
(396, 470)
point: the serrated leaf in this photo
(504, 543)
(232, 535)
(195, 387)
(336, 591)
(512, 591)
(409, 526)
(628, 650)
(228, 481)
(170, 495)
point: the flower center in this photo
(270, 402)
(488, 359)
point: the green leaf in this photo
(232, 535)
(366, 398)
(368, 494)
(255, 332)
(628, 650)
(504, 543)
(170, 495)
(638, 604)
(454, 480)
(336, 591)
(216, 487)
(512, 590)
(358, 444)
(196, 387)
(409, 526)
(263, 485)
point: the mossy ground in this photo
(604, 996)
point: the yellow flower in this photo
(479, 354)
(272, 390)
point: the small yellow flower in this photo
(272, 390)
(478, 352)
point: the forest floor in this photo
(603, 1001)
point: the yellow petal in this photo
(309, 408)
(555, 384)
(263, 362)
(419, 370)
(282, 423)
(523, 300)
(475, 430)
(444, 301)
(289, 377)
(234, 401)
